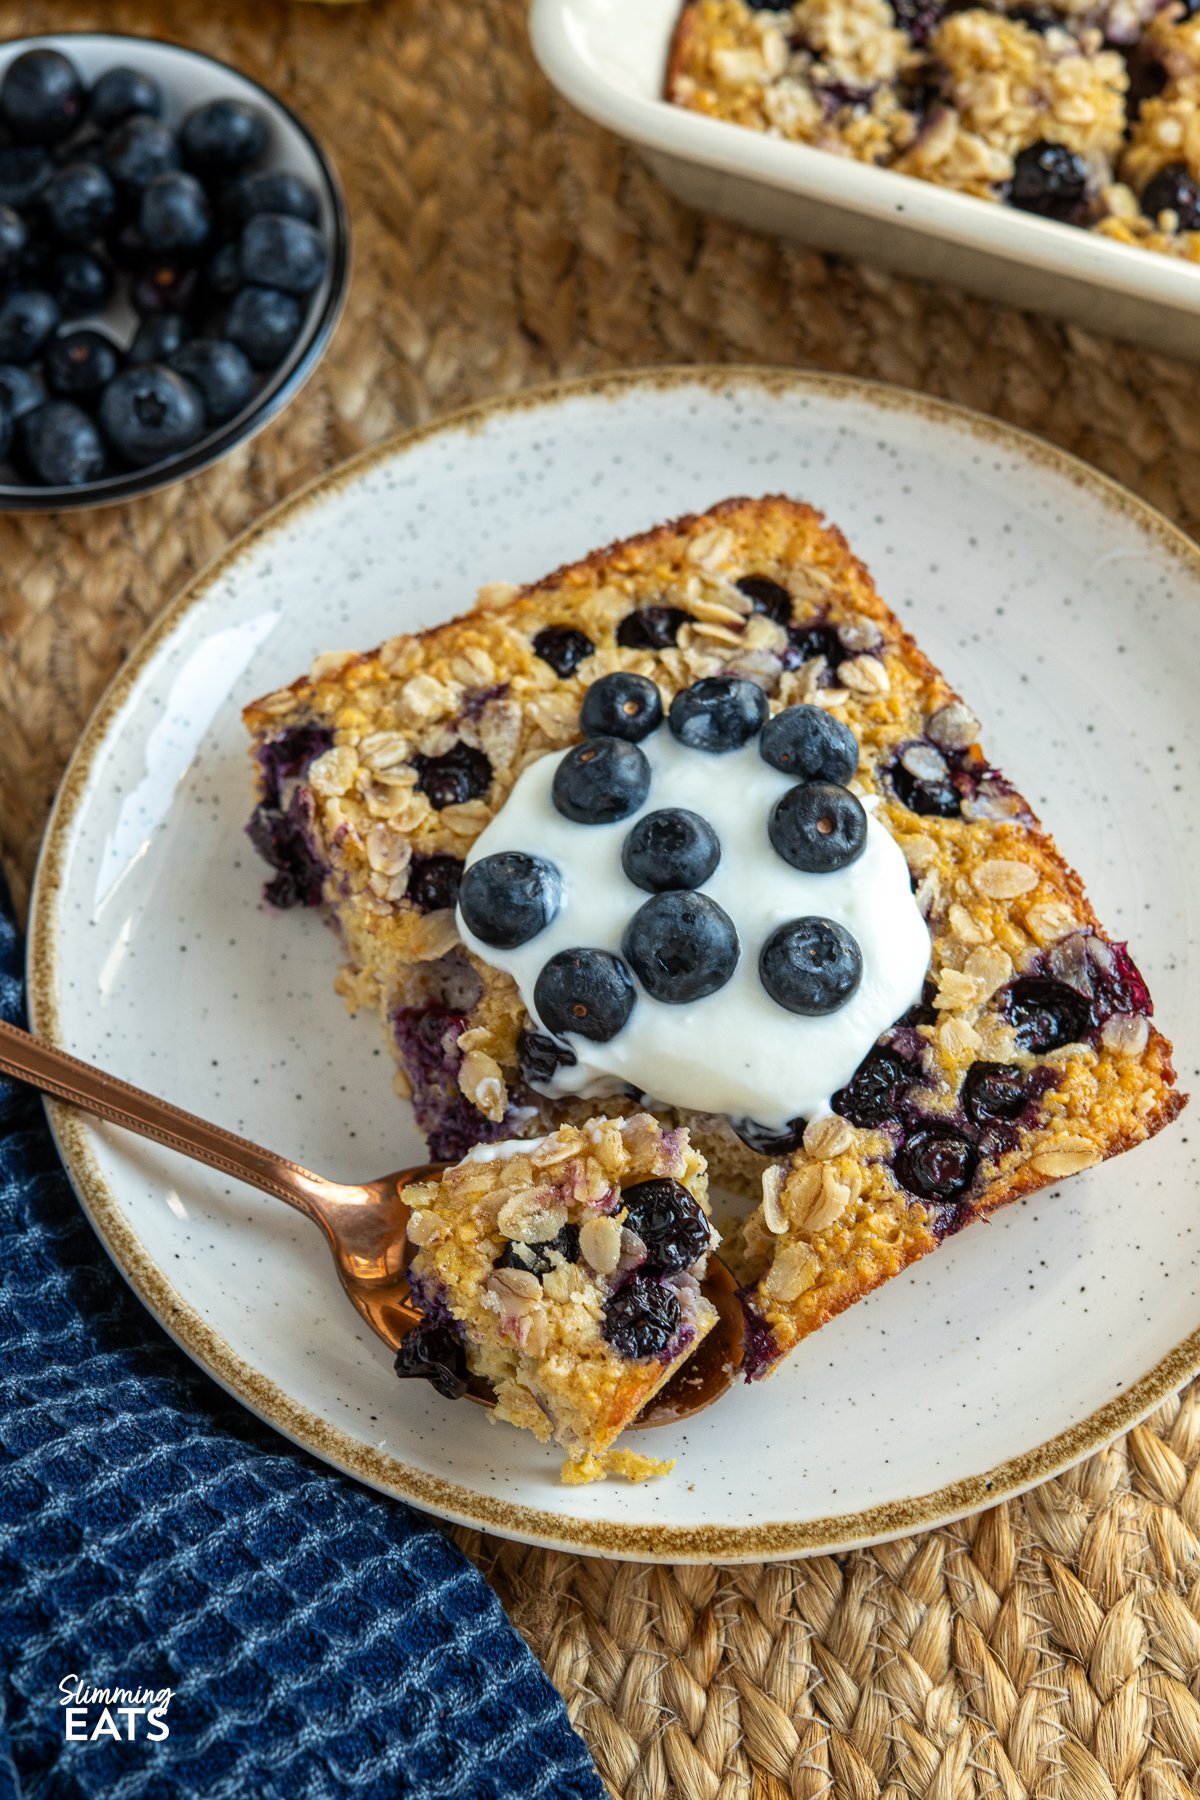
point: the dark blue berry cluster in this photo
(680, 944)
(100, 199)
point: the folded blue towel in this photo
(317, 1640)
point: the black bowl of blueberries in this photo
(174, 252)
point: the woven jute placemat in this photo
(1050, 1647)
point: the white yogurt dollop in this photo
(736, 1051)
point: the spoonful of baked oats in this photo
(567, 1282)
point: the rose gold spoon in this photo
(364, 1224)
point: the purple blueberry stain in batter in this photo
(760, 1351)
(288, 756)
(427, 1038)
(282, 825)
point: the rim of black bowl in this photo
(131, 484)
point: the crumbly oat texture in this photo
(1033, 1055)
(525, 1252)
(959, 97)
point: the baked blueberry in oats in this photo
(734, 895)
(566, 1271)
(1082, 111)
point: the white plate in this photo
(1067, 612)
(188, 78)
(609, 57)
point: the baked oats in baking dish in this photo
(1083, 112)
(694, 828)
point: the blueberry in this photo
(810, 966)
(509, 898)
(138, 150)
(876, 1090)
(767, 596)
(80, 281)
(764, 1140)
(281, 252)
(539, 1259)
(720, 713)
(27, 318)
(462, 773)
(158, 337)
(651, 628)
(24, 171)
(264, 323)
(770, 5)
(681, 947)
(1046, 1014)
(818, 827)
(589, 992)
(223, 272)
(1147, 78)
(7, 425)
(670, 849)
(563, 648)
(919, 18)
(79, 364)
(174, 214)
(809, 743)
(78, 201)
(165, 287)
(805, 642)
(119, 93)
(60, 445)
(1174, 189)
(220, 371)
(434, 1354)
(222, 136)
(280, 192)
(670, 1222)
(1037, 18)
(601, 780)
(41, 97)
(1049, 180)
(124, 241)
(621, 706)
(641, 1318)
(149, 413)
(993, 1091)
(14, 236)
(540, 1058)
(20, 389)
(923, 781)
(433, 882)
(936, 1163)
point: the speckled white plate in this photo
(1066, 611)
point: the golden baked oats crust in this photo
(377, 772)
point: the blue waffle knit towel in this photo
(317, 1640)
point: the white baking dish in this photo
(609, 56)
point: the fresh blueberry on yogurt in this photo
(818, 827)
(588, 992)
(718, 714)
(810, 966)
(672, 848)
(621, 706)
(809, 743)
(681, 946)
(509, 898)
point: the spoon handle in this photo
(67, 1078)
